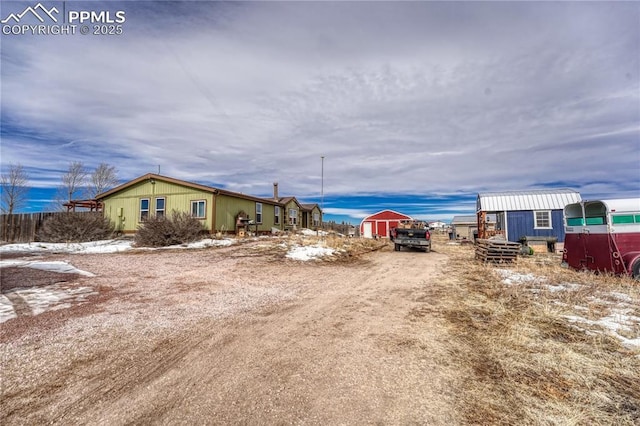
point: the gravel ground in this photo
(239, 334)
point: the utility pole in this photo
(322, 185)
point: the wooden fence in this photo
(23, 227)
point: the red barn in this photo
(378, 224)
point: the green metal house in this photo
(219, 210)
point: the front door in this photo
(366, 230)
(382, 230)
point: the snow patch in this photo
(106, 246)
(616, 322)
(43, 299)
(103, 246)
(54, 266)
(312, 233)
(309, 252)
(7, 311)
(510, 277)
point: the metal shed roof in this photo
(542, 199)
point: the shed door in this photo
(367, 230)
(382, 229)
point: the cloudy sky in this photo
(416, 106)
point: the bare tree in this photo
(15, 192)
(15, 188)
(74, 179)
(103, 178)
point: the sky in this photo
(415, 106)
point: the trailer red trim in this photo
(603, 236)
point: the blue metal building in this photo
(526, 214)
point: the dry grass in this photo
(527, 363)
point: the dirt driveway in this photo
(236, 335)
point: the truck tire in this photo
(396, 247)
(427, 250)
(635, 270)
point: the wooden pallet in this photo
(496, 251)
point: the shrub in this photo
(75, 227)
(180, 228)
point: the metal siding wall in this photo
(381, 228)
(521, 224)
(129, 220)
(268, 217)
(228, 208)
(177, 198)
(557, 219)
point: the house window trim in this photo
(141, 210)
(276, 215)
(535, 219)
(259, 213)
(294, 217)
(204, 209)
(164, 206)
(316, 222)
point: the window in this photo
(293, 217)
(276, 219)
(595, 220)
(542, 219)
(258, 212)
(575, 221)
(625, 219)
(198, 209)
(316, 219)
(144, 209)
(159, 207)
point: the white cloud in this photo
(415, 97)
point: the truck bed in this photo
(413, 238)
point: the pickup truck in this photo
(414, 235)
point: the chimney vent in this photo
(275, 191)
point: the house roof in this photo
(457, 220)
(309, 207)
(153, 176)
(470, 219)
(555, 199)
(286, 200)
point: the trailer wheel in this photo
(635, 270)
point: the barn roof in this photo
(387, 215)
(542, 199)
